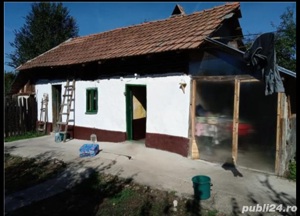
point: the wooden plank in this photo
(289, 107)
(7, 116)
(24, 116)
(284, 133)
(30, 114)
(21, 119)
(278, 132)
(250, 80)
(16, 119)
(244, 78)
(11, 115)
(195, 150)
(193, 107)
(34, 113)
(235, 120)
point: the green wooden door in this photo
(56, 103)
(129, 112)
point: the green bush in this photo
(292, 169)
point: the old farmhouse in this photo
(180, 84)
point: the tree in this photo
(8, 80)
(248, 41)
(285, 40)
(46, 26)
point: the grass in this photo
(212, 213)
(27, 135)
(100, 194)
(125, 194)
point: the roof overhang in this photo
(241, 54)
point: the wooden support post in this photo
(235, 133)
(289, 107)
(278, 132)
(195, 150)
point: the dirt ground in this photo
(100, 194)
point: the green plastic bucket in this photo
(201, 186)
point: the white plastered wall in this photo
(42, 87)
(167, 104)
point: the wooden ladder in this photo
(66, 109)
(42, 123)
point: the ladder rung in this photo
(61, 122)
(43, 109)
(67, 101)
(65, 104)
(41, 123)
(41, 129)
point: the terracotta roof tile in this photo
(176, 32)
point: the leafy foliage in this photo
(292, 169)
(46, 26)
(285, 40)
(8, 80)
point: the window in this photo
(91, 101)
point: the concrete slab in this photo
(230, 194)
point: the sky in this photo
(97, 17)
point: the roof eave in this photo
(30, 60)
(281, 69)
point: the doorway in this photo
(235, 119)
(136, 112)
(56, 103)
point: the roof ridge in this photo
(216, 7)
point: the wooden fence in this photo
(20, 116)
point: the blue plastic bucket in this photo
(59, 137)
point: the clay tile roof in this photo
(174, 33)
